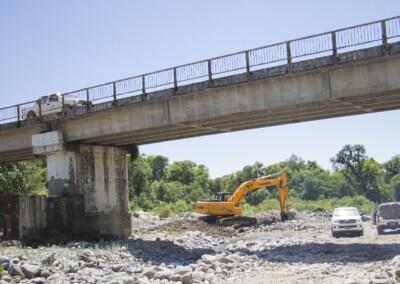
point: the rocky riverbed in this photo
(187, 250)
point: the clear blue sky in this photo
(48, 46)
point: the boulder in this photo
(15, 270)
(186, 277)
(30, 271)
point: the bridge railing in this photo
(285, 53)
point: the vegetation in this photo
(156, 185)
(356, 180)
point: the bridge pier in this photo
(98, 173)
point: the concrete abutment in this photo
(96, 175)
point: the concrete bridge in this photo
(284, 83)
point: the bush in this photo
(180, 206)
(165, 212)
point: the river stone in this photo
(198, 276)
(186, 277)
(45, 273)
(183, 270)
(165, 274)
(175, 277)
(149, 272)
(30, 271)
(226, 260)
(117, 267)
(15, 270)
(4, 261)
(208, 259)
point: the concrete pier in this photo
(99, 173)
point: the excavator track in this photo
(235, 220)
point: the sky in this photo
(52, 46)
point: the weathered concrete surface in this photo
(47, 142)
(362, 81)
(102, 177)
(65, 212)
(99, 174)
(32, 213)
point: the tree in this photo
(392, 167)
(182, 171)
(159, 166)
(362, 173)
(23, 178)
(139, 174)
(395, 185)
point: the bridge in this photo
(344, 72)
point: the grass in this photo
(360, 202)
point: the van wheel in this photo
(334, 234)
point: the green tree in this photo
(23, 178)
(361, 172)
(182, 171)
(159, 166)
(395, 185)
(139, 175)
(392, 167)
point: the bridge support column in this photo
(99, 173)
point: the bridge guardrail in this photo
(378, 33)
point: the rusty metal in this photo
(62, 106)
(175, 82)
(289, 57)
(89, 105)
(40, 109)
(144, 96)
(334, 48)
(114, 95)
(248, 77)
(384, 39)
(210, 81)
(11, 213)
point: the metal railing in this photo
(379, 33)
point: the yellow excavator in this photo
(225, 209)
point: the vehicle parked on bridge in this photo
(52, 104)
(386, 216)
(346, 220)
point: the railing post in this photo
(248, 77)
(384, 39)
(89, 104)
(18, 122)
(175, 82)
(289, 57)
(114, 95)
(62, 106)
(40, 109)
(210, 82)
(334, 47)
(144, 96)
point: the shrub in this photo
(181, 206)
(165, 212)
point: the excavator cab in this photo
(223, 196)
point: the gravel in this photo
(187, 250)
